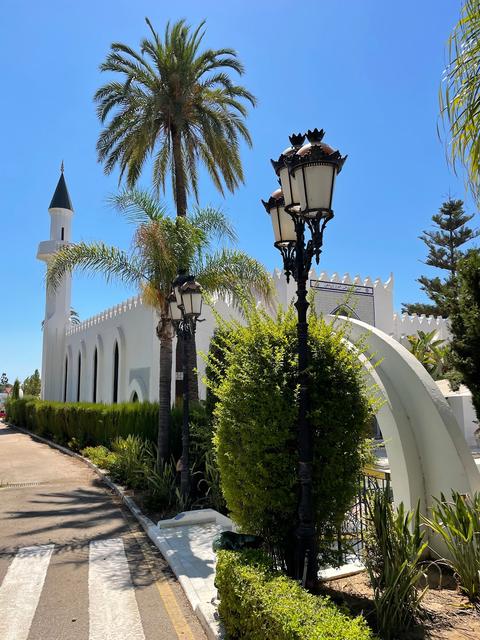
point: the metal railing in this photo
(350, 541)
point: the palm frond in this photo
(138, 206)
(110, 262)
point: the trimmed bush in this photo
(256, 413)
(258, 603)
(83, 423)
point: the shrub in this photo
(458, 524)
(89, 424)
(101, 456)
(258, 603)
(162, 486)
(256, 417)
(133, 461)
(393, 556)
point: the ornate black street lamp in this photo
(307, 175)
(185, 306)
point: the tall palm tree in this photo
(161, 246)
(460, 93)
(177, 104)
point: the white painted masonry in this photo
(78, 361)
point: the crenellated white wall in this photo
(132, 325)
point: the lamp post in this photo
(307, 173)
(185, 307)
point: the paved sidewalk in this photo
(186, 542)
(74, 565)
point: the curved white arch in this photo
(426, 449)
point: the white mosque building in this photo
(114, 356)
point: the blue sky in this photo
(367, 71)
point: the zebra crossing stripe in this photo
(21, 589)
(113, 609)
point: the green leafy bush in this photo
(256, 414)
(101, 456)
(393, 557)
(133, 461)
(458, 524)
(258, 603)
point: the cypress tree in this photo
(444, 242)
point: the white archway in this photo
(426, 449)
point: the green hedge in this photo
(258, 603)
(82, 423)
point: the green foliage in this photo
(433, 354)
(255, 438)
(460, 93)
(258, 603)
(133, 460)
(3, 381)
(162, 486)
(444, 242)
(89, 424)
(16, 389)
(393, 559)
(31, 386)
(101, 456)
(465, 326)
(458, 524)
(181, 106)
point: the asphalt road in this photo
(74, 565)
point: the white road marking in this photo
(21, 589)
(113, 608)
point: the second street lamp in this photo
(185, 307)
(307, 175)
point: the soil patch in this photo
(448, 614)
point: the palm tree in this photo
(176, 104)
(431, 352)
(460, 93)
(161, 247)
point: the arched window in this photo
(95, 375)
(344, 310)
(115, 373)
(63, 233)
(134, 397)
(65, 380)
(79, 378)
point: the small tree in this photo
(465, 326)
(16, 389)
(255, 415)
(3, 381)
(32, 384)
(444, 242)
(432, 353)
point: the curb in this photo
(206, 618)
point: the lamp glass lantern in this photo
(315, 182)
(174, 309)
(282, 222)
(191, 293)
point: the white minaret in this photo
(57, 307)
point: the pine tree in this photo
(445, 241)
(465, 326)
(3, 381)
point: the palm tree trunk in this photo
(164, 391)
(179, 177)
(180, 195)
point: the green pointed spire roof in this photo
(61, 198)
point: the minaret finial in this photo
(61, 167)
